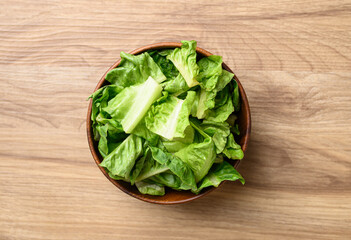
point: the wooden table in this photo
(293, 59)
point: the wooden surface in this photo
(293, 59)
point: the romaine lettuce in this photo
(122, 159)
(199, 156)
(219, 173)
(131, 104)
(184, 59)
(135, 69)
(150, 188)
(168, 119)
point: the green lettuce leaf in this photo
(223, 80)
(174, 146)
(199, 156)
(169, 117)
(218, 131)
(106, 130)
(219, 173)
(210, 68)
(122, 159)
(176, 166)
(176, 86)
(135, 69)
(138, 166)
(184, 59)
(150, 188)
(116, 177)
(206, 99)
(100, 99)
(179, 143)
(169, 179)
(201, 109)
(131, 104)
(223, 107)
(150, 168)
(142, 131)
(233, 150)
(219, 158)
(236, 96)
(166, 66)
(235, 129)
(110, 137)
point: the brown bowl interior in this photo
(171, 196)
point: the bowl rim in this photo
(145, 197)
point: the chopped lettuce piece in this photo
(176, 86)
(206, 99)
(176, 166)
(135, 69)
(233, 150)
(150, 168)
(150, 188)
(223, 107)
(199, 156)
(122, 159)
(236, 97)
(169, 118)
(169, 179)
(219, 133)
(184, 59)
(166, 66)
(210, 70)
(131, 104)
(219, 173)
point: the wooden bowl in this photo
(171, 196)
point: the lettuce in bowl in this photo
(167, 120)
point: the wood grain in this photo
(293, 59)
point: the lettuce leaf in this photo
(210, 68)
(176, 166)
(219, 173)
(139, 164)
(176, 86)
(131, 104)
(150, 188)
(175, 83)
(236, 97)
(169, 117)
(233, 150)
(184, 59)
(206, 99)
(150, 168)
(122, 159)
(135, 69)
(169, 179)
(107, 131)
(166, 66)
(219, 133)
(174, 146)
(223, 107)
(100, 99)
(111, 134)
(142, 131)
(223, 80)
(199, 156)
